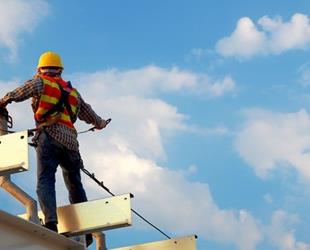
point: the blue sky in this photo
(209, 105)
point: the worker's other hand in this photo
(102, 124)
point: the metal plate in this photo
(18, 234)
(184, 243)
(14, 153)
(93, 216)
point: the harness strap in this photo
(61, 105)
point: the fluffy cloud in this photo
(141, 123)
(245, 41)
(280, 235)
(16, 17)
(268, 36)
(150, 80)
(270, 141)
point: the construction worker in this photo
(56, 106)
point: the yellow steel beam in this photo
(184, 243)
(93, 216)
(13, 153)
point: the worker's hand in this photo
(102, 124)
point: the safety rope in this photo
(31, 131)
(94, 128)
(100, 183)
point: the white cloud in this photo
(245, 41)
(280, 235)
(270, 141)
(285, 36)
(150, 80)
(141, 122)
(268, 36)
(17, 17)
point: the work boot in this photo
(51, 225)
(89, 239)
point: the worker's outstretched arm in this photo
(30, 88)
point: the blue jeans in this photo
(50, 154)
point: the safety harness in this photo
(57, 104)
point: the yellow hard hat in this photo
(50, 59)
